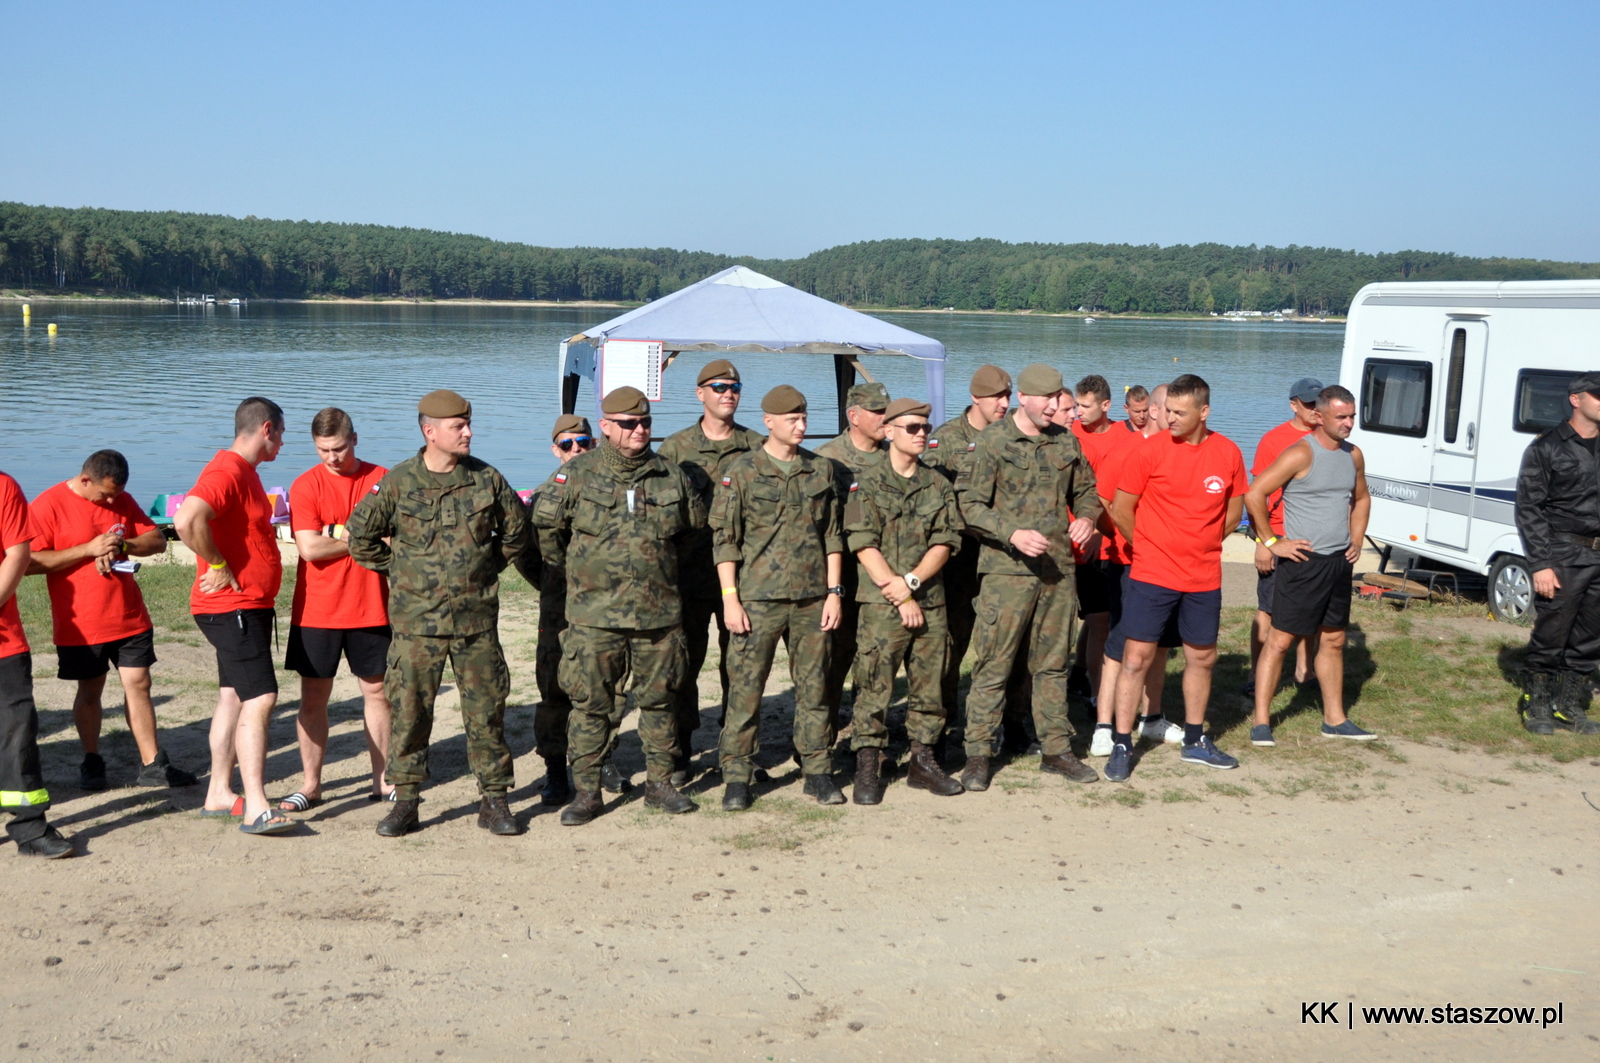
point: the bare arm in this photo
(1291, 465)
(147, 544)
(1360, 507)
(1123, 508)
(314, 546)
(12, 569)
(193, 521)
(832, 606)
(45, 561)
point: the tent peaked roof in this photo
(742, 310)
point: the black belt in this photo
(1581, 540)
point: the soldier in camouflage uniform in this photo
(852, 452)
(779, 553)
(1026, 474)
(622, 516)
(453, 524)
(902, 524)
(704, 450)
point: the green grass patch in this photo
(1173, 797)
(782, 823)
(1228, 789)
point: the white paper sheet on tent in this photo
(632, 363)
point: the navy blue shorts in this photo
(1114, 641)
(1264, 586)
(1149, 612)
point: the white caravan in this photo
(1452, 381)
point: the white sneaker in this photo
(1162, 730)
(1100, 744)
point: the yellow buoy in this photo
(51, 328)
(27, 314)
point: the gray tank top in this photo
(1318, 506)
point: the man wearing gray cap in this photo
(1558, 514)
(443, 525)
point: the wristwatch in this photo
(912, 581)
(839, 590)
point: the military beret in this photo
(721, 369)
(906, 407)
(570, 422)
(1586, 382)
(625, 402)
(990, 380)
(783, 399)
(874, 397)
(444, 403)
(1039, 379)
(1306, 389)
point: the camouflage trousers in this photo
(697, 617)
(1017, 615)
(551, 715)
(595, 661)
(411, 682)
(842, 658)
(961, 614)
(886, 644)
(799, 624)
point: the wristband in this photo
(215, 568)
(729, 590)
(1268, 541)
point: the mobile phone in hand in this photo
(130, 567)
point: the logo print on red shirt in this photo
(1213, 485)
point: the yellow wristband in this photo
(729, 590)
(1267, 542)
(216, 567)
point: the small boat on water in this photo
(1088, 321)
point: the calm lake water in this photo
(159, 383)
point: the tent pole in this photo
(844, 376)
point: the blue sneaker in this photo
(1204, 752)
(1348, 730)
(1120, 766)
(1261, 735)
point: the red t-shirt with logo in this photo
(335, 592)
(16, 526)
(242, 531)
(1114, 547)
(1271, 446)
(86, 608)
(1183, 490)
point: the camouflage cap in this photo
(1039, 379)
(444, 403)
(721, 369)
(625, 402)
(906, 408)
(570, 422)
(990, 380)
(783, 399)
(874, 397)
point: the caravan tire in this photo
(1511, 590)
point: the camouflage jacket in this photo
(903, 517)
(619, 540)
(1020, 481)
(704, 461)
(538, 565)
(780, 529)
(450, 538)
(951, 446)
(848, 465)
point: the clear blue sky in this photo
(777, 129)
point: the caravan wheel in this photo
(1511, 590)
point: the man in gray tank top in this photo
(1325, 509)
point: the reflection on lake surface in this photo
(160, 383)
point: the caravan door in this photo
(1456, 433)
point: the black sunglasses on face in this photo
(916, 429)
(721, 386)
(581, 442)
(628, 424)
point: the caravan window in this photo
(1541, 399)
(1454, 374)
(1395, 396)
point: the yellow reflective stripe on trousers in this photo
(23, 798)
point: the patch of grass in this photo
(1228, 789)
(1172, 796)
(1128, 796)
(782, 823)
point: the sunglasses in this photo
(917, 428)
(581, 442)
(723, 386)
(628, 424)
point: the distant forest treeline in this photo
(157, 252)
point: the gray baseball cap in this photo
(1306, 389)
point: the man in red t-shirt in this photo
(1099, 438)
(86, 528)
(1303, 405)
(226, 520)
(22, 790)
(1177, 499)
(340, 608)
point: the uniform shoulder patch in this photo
(855, 486)
(375, 487)
(561, 477)
(933, 444)
(972, 446)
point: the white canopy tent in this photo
(740, 311)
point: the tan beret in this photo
(874, 397)
(990, 380)
(444, 403)
(570, 422)
(1039, 379)
(625, 402)
(721, 369)
(783, 399)
(906, 407)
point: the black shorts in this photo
(1150, 612)
(1316, 593)
(92, 662)
(1094, 587)
(243, 641)
(1170, 640)
(314, 651)
(1264, 586)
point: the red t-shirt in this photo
(242, 530)
(336, 592)
(1097, 445)
(1183, 492)
(15, 527)
(86, 607)
(1114, 547)
(1271, 446)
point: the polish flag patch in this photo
(561, 477)
(375, 488)
(854, 488)
(727, 481)
(972, 446)
(933, 444)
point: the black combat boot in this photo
(612, 781)
(925, 773)
(666, 797)
(494, 815)
(975, 776)
(1572, 705)
(869, 777)
(50, 845)
(736, 797)
(824, 789)
(586, 805)
(557, 790)
(402, 819)
(1538, 703)
(1068, 765)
